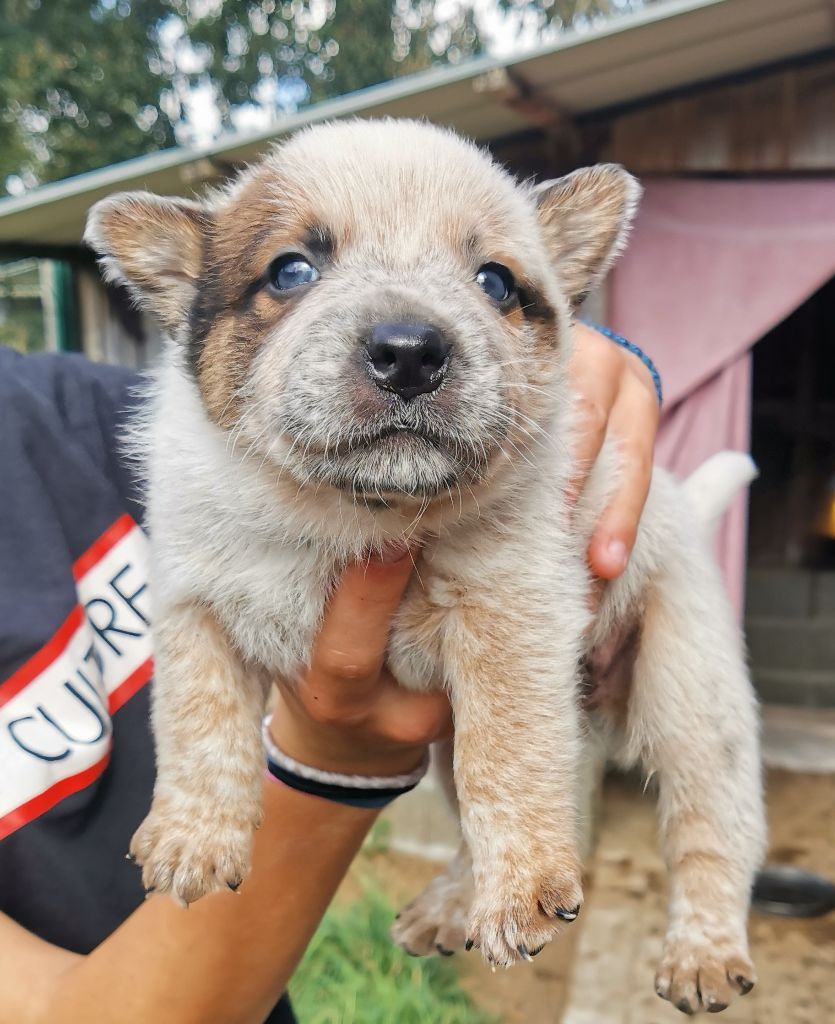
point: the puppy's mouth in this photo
(395, 460)
(404, 434)
(393, 436)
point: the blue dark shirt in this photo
(76, 752)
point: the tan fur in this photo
(154, 246)
(586, 237)
(274, 459)
(205, 809)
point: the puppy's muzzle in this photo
(407, 358)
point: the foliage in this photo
(95, 82)
(76, 86)
(22, 324)
(565, 14)
(353, 973)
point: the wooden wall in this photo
(780, 121)
(777, 123)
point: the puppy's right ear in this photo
(154, 246)
(584, 218)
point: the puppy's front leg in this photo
(512, 670)
(207, 798)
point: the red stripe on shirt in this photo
(133, 684)
(41, 803)
(51, 650)
(58, 643)
(49, 653)
(99, 548)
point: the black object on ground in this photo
(791, 892)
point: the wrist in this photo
(330, 750)
(638, 353)
(368, 792)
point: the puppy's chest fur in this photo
(272, 610)
(265, 560)
(269, 596)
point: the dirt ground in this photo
(601, 970)
(623, 921)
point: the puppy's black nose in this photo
(407, 358)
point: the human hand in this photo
(616, 397)
(347, 713)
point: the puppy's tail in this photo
(711, 488)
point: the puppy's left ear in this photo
(154, 246)
(585, 218)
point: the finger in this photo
(633, 423)
(596, 379)
(352, 641)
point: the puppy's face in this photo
(376, 306)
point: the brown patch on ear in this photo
(584, 218)
(154, 246)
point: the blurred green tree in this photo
(564, 14)
(76, 86)
(90, 83)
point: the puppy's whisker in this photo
(415, 569)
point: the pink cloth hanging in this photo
(711, 267)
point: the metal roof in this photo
(667, 46)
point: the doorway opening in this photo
(790, 607)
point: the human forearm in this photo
(228, 957)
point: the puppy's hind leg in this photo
(692, 720)
(436, 922)
(207, 797)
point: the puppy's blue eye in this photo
(290, 271)
(496, 281)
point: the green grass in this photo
(353, 973)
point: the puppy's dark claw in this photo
(745, 985)
(443, 950)
(716, 1007)
(468, 945)
(685, 1007)
(234, 886)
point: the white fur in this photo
(710, 488)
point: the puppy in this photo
(369, 338)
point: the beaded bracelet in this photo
(368, 791)
(630, 346)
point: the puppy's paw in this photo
(435, 922)
(191, 854)
(701, 975)
(512, 921)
